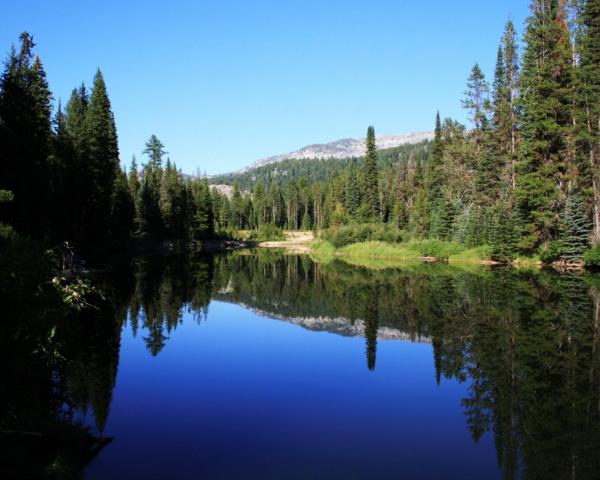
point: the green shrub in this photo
(592, 257)
(266, 233)
(551, 252)
(367, 232)
(438, 248)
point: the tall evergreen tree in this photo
(576, 229)
(507, 121)
(352, 193)
(435, 178)
(25, 104)
(77, 168)
(371, 177)
(133, 179)
(588, 102)
(155, 151)
(148, 216)
(203, 220)
(476, 99)
(102, 161)
(503, 238)
(123, 209)
(547, 119)
(236, 206)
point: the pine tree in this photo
(506, 116)
(276, 205)
(155, 151)
(133, 179)
(77, 168)
(476, 99)
(503, 239)
(352, 192)
(61, 178)
(123, 209)
(588, 103)
(547, 119)
(149, 221)
(174, 203)
(371, 177)
(487, 158)
(260, 204)
(203, 220)
(575, 237)
(442, 220)
(236, 207)
(25, 104)
(435, 178)
(400, 208)
(102, 161)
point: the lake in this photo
(265, 365)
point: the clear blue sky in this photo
(224, 83)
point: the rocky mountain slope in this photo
(345, 148)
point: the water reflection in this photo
(526, 342)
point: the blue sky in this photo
(225, 83)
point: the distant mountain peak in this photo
(344, 148)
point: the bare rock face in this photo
(345, 148)
(226, 190)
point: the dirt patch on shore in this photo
(297, 242)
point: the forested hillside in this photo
(522, 176)
(318, 169)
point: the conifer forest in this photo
(428, 308)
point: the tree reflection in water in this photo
(526, 342)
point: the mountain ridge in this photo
(340, 149)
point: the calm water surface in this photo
(260, 366)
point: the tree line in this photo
(60, 173)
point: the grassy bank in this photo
(380, 254)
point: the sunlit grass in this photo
(379, 255)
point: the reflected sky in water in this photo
(239, 395)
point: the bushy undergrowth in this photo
(370, 232)
(592, 257)
(266, 233)
(438, 248)
(551, 252)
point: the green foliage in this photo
(348, 234)
(25, 129)
(551, 251)
(155, 151)
(306, 222)
(575, 238)
(547, 123)
(266, 233)
(102, 161)
(370, 178)
(438, 249)
(503, 237)
(592, 257)
(203, 214)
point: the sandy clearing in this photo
(297, 242)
